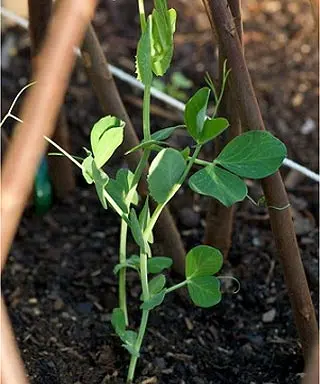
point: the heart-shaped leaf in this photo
(154, 301)
(204, 291)
(254, 154)
(220, 184)
(195, 112)
(164, 172)
(158, 264)
(212, 128)
(203, 260)
(106, 136)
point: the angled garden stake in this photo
(39, 112)
(219, 220)
(60, 169)
(274, 191)
(253, 154)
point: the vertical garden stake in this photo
(275, 194)
(219, 220)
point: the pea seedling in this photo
(254, 154)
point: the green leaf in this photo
(145, 145)
(101, 179)
(106, 136)
(185, 152)
(119, 188)
(165, 133)
(129, 338)
(156, 284)
(143, 58)
(212, 128)
(158, 264)
(136, 230)
(254, 154)
(164, 172)
(163, 28)
(132, 262)
(118, 321)
(203, 260)
(195, 112)
(86, 167)
(144, 218)
(204, 291)
(119, 266)
(131, 349)
(220, 184)
(154, 301)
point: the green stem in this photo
(145, 314)
(122, 272)
(144, 275)
(142, 15)
(177, 286)
(146, 112)
(134, 359)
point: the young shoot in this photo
(254, 155)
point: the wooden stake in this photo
(276, 196)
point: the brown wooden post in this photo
(219, 220)
(60, 168)
(274, 191)
(12, 369)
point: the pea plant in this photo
(254, 155)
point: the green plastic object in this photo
(43, 194)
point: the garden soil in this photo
(59, 283)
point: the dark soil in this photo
(59, 284)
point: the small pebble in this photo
(269, 316)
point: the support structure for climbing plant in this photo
(273, 187)
(39, 113)
(60, 169)
(219, 220)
